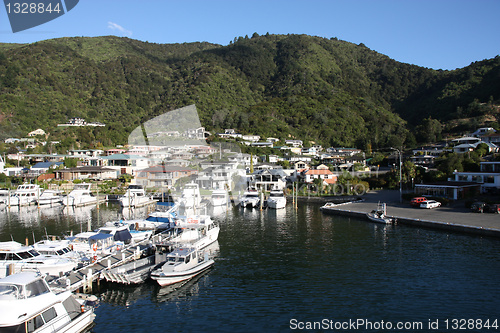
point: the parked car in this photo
(430, 204)
(417, 201)
(478, 206)
(492, 208)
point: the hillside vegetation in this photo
(332, 92)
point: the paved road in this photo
(454, 214)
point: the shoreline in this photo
(456, 219)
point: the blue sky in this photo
(439, 34)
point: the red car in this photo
(417, 201)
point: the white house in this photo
(488, 177)
(37, 132)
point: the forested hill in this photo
(328, 91)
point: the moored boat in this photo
(379, 215)
(135, 196)
(219, 198)
(50, 197)
(15, 257)
(183, 264)
(276, 200)
(80, 196)
(25, 194)
(250, 199)
(29, 305)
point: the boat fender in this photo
(94, 247)
(82, 308)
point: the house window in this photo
(462, 178)
(489, 179)
(477, 179)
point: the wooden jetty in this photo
(85, 276)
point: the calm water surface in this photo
(279, 270)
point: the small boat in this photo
(29, 305)
(135, 196)
(80, 196)
(50, 197)
(250, 199)
(15, 257)
(182, 264)
(25, 194)
(276, 200)
(219, 198)
(380, 215)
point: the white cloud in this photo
(122, 30)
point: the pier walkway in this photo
(85, 276)
(453, 218)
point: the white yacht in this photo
(125, 232)
(55, 246)
(80, 196)
(191, 197)
(94, 244)
(25, 194)
(219, 198)
(29, 305)
(135, 196)
(15, 257)
(250, 199)
(183, 264)
(196, 231)
(50, 197)
(276, 200)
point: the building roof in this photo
(123, 157)
(318, 172)
(46, 165)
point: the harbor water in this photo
(280, 271)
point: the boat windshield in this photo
(253, 195)
(10, 291)
(176, 259)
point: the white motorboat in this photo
(183, 264)
(135, 196)
(276, 200)
(197, 231)
(50, 197)
(125, 232)
(80, 196)
(25, 194)
(380, 215)
(29, 305)
(15, 257)
(94, 244)
(219, 198)
(190, 197)
(250, 199)
(55, 246)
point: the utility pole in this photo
(400, 175)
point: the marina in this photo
(273, 264)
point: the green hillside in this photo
(328, 91)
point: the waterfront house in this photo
(162, 176)
(124, 163)
(488, 177)
(88, 172)
(268, 179)
(326, 175)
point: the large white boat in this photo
(196, 231)
(219, 198)
(55, 246)
(29, 305)
(183, 264)
(15, 257)
(135, 196)
(250, 199)
(80, 196)
(50, 197)
(94, 244)
(191, 197)
(25, 194)
(276, 200)
(125, 232)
